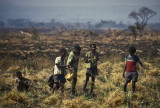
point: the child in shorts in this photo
(60, 71)
(91, 59)
(131, 68)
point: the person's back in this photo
(131, 63)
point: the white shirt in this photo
(59, 70)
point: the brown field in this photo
(34, 55)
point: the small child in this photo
(60, 71)
(72, 63)
(132, 74)
(21, 82)
(91, 64)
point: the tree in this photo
(142, 17)
(134, 31)
(35, 33)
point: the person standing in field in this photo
(72, 63)
(91, 59)
(131, 68)
(60, 71)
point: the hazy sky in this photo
(75, 10)
(81, 2)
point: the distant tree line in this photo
(141, 21)
(23, 23)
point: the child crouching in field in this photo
(132, 74)
(91, 65)
(21, 83)
(59, 71)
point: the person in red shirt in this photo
(131, 68)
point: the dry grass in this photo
(109, 41)
(14, 97)
(108, 90)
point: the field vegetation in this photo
(34, 53)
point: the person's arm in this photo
(97, 57)
(86, 58)
(29, 82)
(63, 66)
(125, 67)
(124, 70)
(57, 62)
(141, 64)
(70, 59)
(77, 57)
(26, 81)
(16, 82)
(139, 61)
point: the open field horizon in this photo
(32, 32)
(34, 54)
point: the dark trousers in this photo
(91, 72)
(92, 84)
(74, 81)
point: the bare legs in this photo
(92, 84)
(56, 86)
(133, 86)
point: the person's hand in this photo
(71, 69)
(143, 67)
(29, 82)
(63, 66)
(18, 80)
(77, 57)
